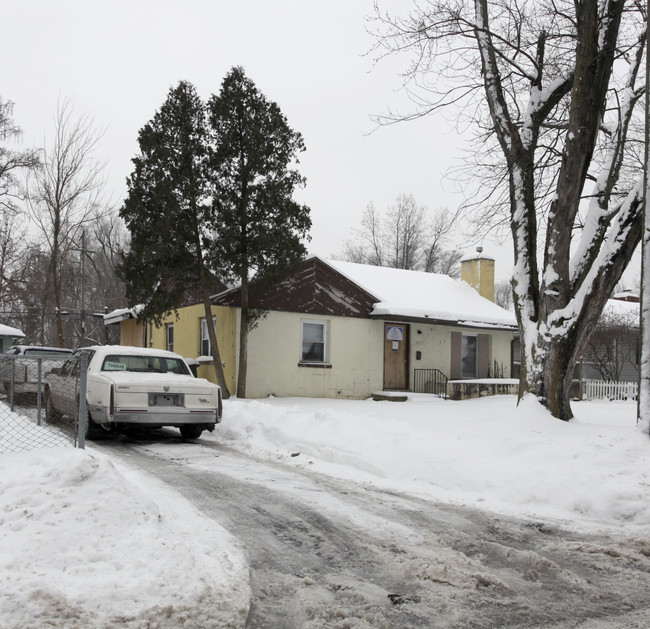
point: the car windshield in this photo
(153, 364)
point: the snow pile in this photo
(591, 472)
(85, 544)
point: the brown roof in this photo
(316, 288)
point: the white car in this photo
(20, 373)
(134, 386)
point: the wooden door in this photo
(396, 354)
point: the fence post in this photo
(39, 389)
(83, 409)
(11, 385)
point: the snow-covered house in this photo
(339, 329)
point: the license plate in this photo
(166, 399)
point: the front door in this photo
(396, 353)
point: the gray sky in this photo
(117, 60)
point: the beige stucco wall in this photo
(435, 344)
(355, 352)
(187, 337)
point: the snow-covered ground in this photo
(86, 542)
(591, 472)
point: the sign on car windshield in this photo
(155, 364)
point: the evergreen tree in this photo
(166, 210)
(261, 228)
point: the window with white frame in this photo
(206, 348)
(313, 342)
(469, 356)
(169, 333)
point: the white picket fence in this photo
(601, 390)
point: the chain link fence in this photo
(27, 417)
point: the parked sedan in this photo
(23, 367)
(134, 386)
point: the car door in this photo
(63, 386)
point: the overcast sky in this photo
(117, 60)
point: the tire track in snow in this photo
(327, 552)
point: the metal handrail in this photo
(431, 381)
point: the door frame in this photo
(407, 354)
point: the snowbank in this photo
(84, 543)
(591, 472)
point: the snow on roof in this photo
(627, 295)
(6, 330)
(617, 312)
(424, 295)
(116, 316)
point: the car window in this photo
(38, 351)
(139, 363)
(70, 367)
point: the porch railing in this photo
(430, 381)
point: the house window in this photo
(468, 356)
(206, 349)
(169, 332)
(313, 339)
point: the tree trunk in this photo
(56, 285)
(243, 340)
(551, 379)
(214, 346)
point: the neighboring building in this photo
(339, 329)
(184, 333)
(9, 336)
(613, 351)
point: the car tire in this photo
(190, 431)
(52, 416)
(93, 430)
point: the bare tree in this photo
(558, 139)
(64, 196)
(404, 237)
(12, 234)
(110, 241)
(503, 294)
(368, 245)
(437, 257)
(12, 162)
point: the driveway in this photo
(330, 553)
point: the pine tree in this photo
(261, 228)
(166, 210)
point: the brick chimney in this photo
(478, 271)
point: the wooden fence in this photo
(601, 390)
